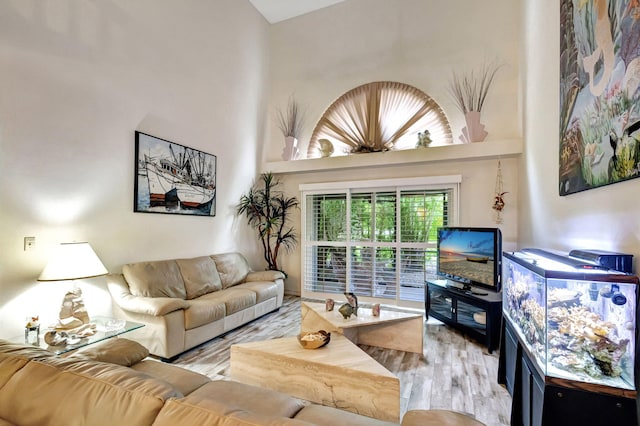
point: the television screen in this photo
(472, 256)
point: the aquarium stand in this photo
(471, 310)
(539, 400)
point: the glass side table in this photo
(106, 328)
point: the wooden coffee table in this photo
(391, 330)
(338, 375)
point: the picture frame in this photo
(171, 178)
(599, 94)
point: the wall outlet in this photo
(29, 243)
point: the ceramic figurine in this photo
(375, 310)
(352, 299)
(347, 310)
(424, 139)
(329, 303)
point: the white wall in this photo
(604, 218)
(78, 78)
(321, 55)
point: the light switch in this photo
(29, 243)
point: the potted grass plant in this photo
(268, 210)
(469, 92)
(290, 122)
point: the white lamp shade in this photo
(73, 261)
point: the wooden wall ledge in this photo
(487, 150)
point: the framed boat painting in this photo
(173, 179)
(599, 93)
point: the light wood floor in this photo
(455, 374)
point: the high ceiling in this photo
(279, 10)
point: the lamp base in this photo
(72, 312)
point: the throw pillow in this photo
(115, 351)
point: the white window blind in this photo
(379, 242)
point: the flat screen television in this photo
(470, 256)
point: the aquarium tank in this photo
(576, 319)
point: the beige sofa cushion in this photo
(321, 415)
(155, 279)
(263, 402)
(200, 276)
(233, 268)
(204, 310)
(87, 387)
(183, 380)
(264, 290)
(118, 351)
(191, 411)
(234, 299)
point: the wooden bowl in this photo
(314, 339)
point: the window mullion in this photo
(348, 242)
(398, 241)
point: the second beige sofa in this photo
(185, 302)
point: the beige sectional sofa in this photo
(113, 383)
(185, 302)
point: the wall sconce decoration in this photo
(73, 261)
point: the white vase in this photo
(290, 150)
(474, 131)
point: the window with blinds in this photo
(378, 243)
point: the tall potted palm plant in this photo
(268, 210)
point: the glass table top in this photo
(106, 328)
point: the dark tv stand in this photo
(466, 308)
(466, 289)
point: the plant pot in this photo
(290, 151)
(474, 131)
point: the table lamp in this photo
(73, 261)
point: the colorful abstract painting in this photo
(599, 93)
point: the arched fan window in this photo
(379, 116)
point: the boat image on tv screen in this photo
(468, 255)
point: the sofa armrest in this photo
(264, 276)
(155, 306)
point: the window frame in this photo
(432, 183)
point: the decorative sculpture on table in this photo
(351, 307)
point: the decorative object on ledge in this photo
(424, 139)
(290, 124)
(171, 178)
(290, 150)
(268, 210)
(474, 130)
(469, 93)
(326, 148)
(498, 198)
